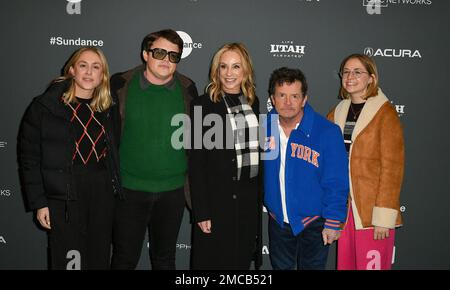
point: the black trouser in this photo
(81, 230)
(161, 213)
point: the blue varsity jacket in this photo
(316, 172)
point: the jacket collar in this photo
(373, 104)
(307, 121)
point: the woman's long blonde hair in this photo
(214, 88)
(101, 97)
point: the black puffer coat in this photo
(46, 144)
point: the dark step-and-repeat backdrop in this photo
(408, 39)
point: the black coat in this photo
(45, 146)
(234, 207)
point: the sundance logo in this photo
(188, 44)
(287, 49)
(73, 7)
(3, 144)
(2, 240)
(392, 52)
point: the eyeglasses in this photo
(356, 73)
(160, 54)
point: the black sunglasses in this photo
(160, 54)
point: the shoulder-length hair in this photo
(214, 88)
(101, 97)
(371, 67)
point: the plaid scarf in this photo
(244, 125)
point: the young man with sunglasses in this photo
(153, 173)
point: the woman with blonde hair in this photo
(68, 162)
(373, 136)
(224, 171)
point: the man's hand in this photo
(329, 236)
(43, 216)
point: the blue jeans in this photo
(305, 251)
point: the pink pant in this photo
(357, 250)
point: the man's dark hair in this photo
(168, 34)
(287, 75)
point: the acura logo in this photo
(393, 52)
(368, 51)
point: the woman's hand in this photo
(380, 233)
(43, 216)
(205, 226)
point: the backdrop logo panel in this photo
(287, 49)
(5, 192)
(376, 3)
(3, 144)
(188, 44)
(2, 240)
(392, 52)
(178, 246)
(269, 105)
(385, 3)
(181, 246)
(74, 258)
(401, 109)
(374, 6)
(73, 7)
(61, 41)
(309, 1)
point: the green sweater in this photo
(148, 162)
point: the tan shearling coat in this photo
(376, 162)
